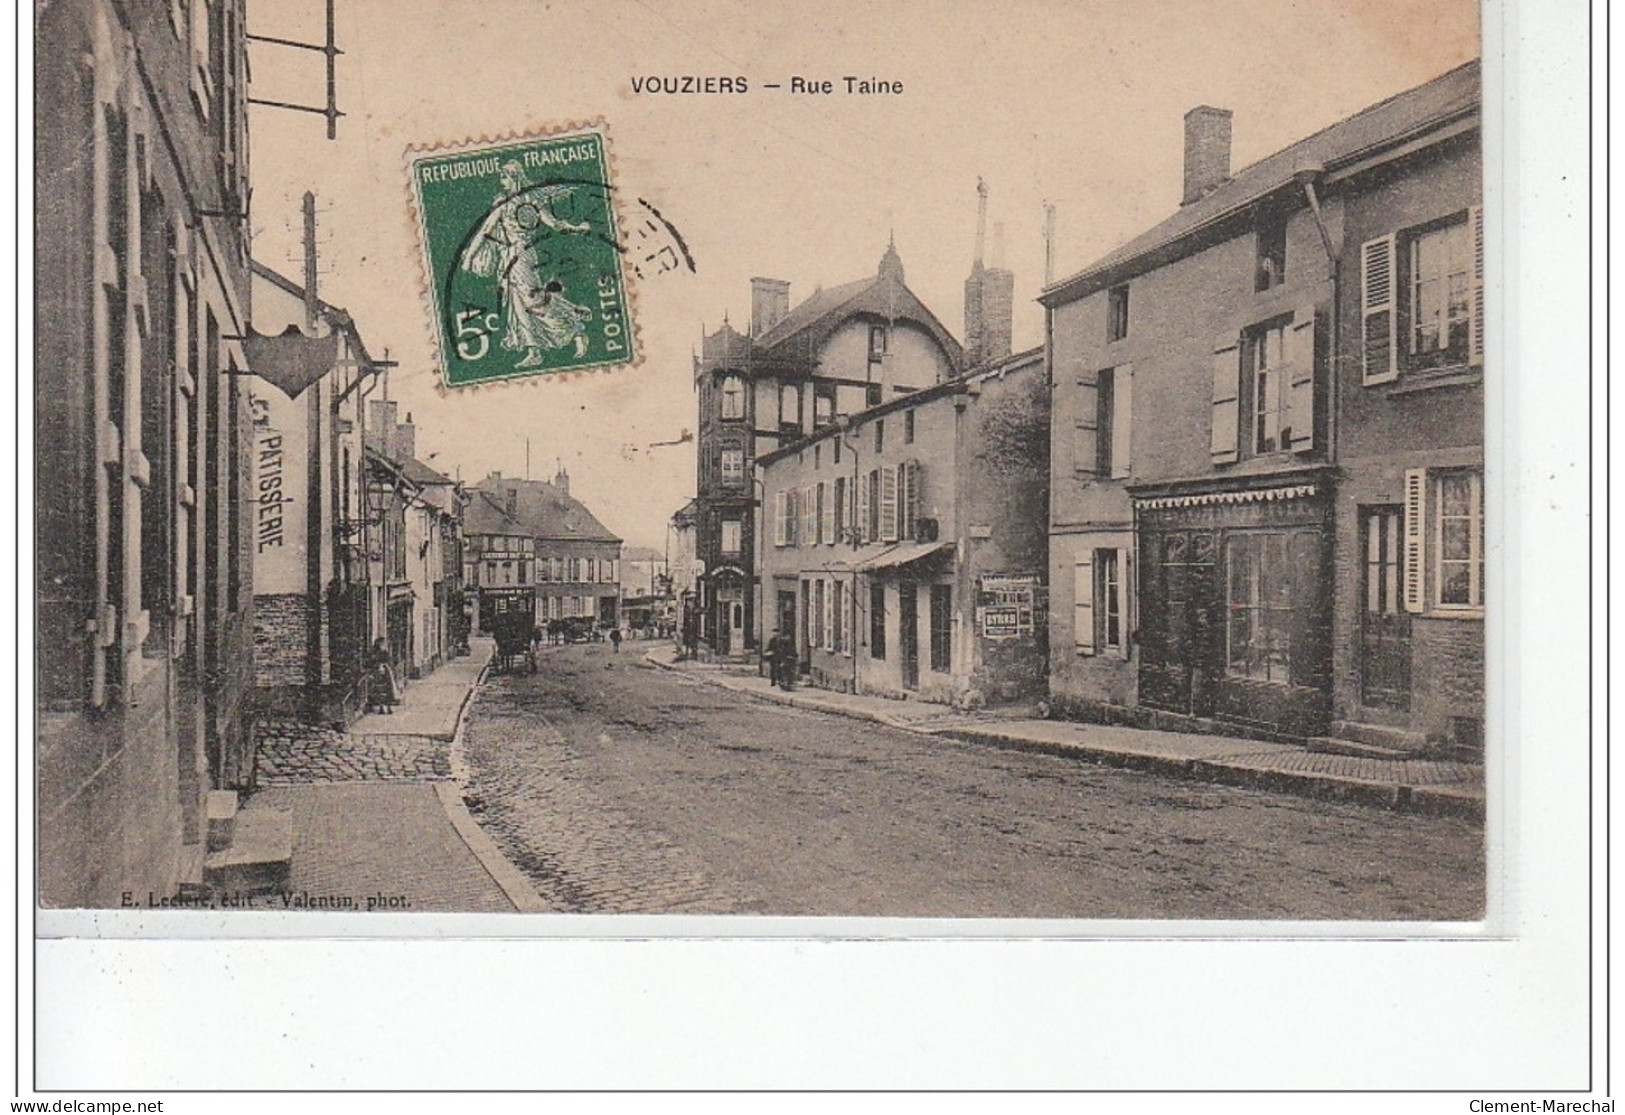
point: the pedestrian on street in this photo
(382, 692)
(615, 638)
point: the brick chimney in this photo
(1207, 151)
(380, 432)
(769, 302)
(561, 481)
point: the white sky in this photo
(1076, 103)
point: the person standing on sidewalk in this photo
(382, 692)
(615, 638)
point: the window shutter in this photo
(1226, 398)
(778, 519)
(1475, 329)
(826, 599)
(1381, 357)
(1125, 597)
(860, 522)
(809, 518)
(1083, 603)
(912, 498)
(1122, 420)
(1415, 536)
(1298, 423)
(826, 497)
(790, 517)
(1086, 446)
(888, 505)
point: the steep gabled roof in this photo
(1381, 127)
(541, 511)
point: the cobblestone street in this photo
(620, 789)
(292, 753)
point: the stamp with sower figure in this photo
(523, 257)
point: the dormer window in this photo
(877, 343)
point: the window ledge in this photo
(1457, 375)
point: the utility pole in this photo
(1049, 243)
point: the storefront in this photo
(1235, 603)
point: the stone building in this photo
(904, 549)
(145, 525)
(530, 540)
(839, 351)
(1267, 455)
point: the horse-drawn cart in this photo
(514, 632)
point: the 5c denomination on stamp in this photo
(523, 256)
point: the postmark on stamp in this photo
(523, 257)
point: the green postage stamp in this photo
(523, 258)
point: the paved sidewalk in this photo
(1421, 785)
(377, 817)
(431, 706)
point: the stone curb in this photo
(1429, 800)
(509, 878)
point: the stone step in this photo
(190, 882)
(259, 859)
(1380, 736)
(220, 808)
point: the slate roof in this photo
(1370, 131)
(542, 512)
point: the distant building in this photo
(1267, 463)
(530, 541)
(145, 514)
(839, 351)
(905, 545)
(415, 548)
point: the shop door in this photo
(908, 633)
(1178, 602)
(1385, 628)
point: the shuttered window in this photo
(911, 480)
(1226, 398)
(1122, 421)
(826, 515)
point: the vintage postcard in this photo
(1031, 469)
(1041, 482)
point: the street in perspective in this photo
(1090, 525)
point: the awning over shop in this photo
(904, 553)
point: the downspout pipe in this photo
(1308, 177)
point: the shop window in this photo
(1258, 619)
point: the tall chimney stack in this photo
(1207, 151)
(769, 302)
